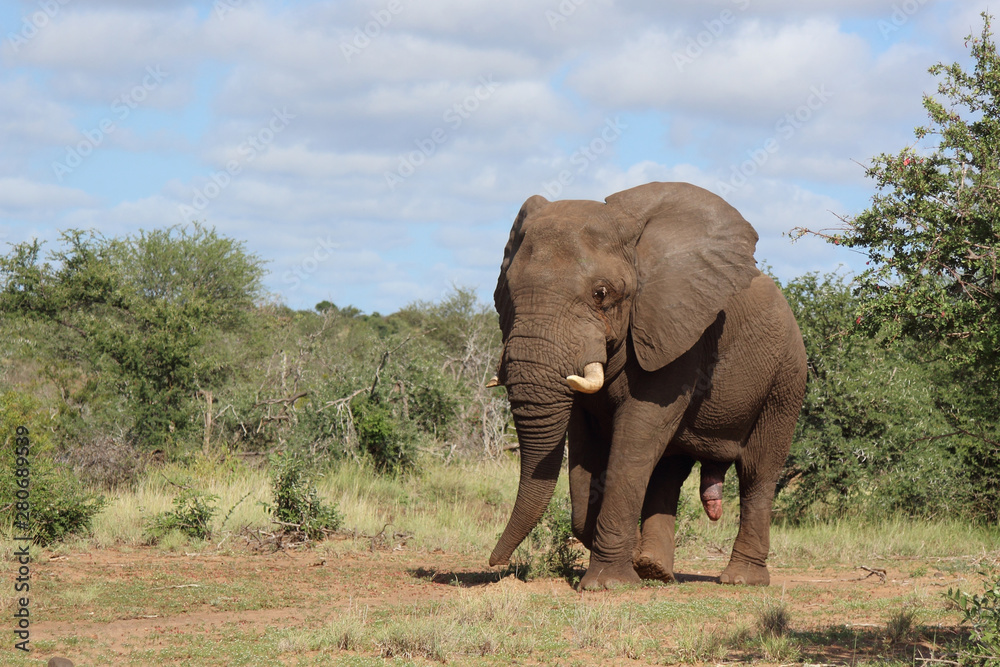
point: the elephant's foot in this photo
(648, 566)
(608, 575)
(745, 574)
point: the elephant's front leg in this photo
(589, 442)
(655, 557)
(636, 447)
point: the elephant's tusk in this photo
(592, 380)
(494, 382)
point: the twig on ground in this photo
(873, 571)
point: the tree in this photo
(932, 231)
(870, 439)
(150, 311)
(932, 235)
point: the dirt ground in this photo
(110, 606)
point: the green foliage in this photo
(982, 613)
(381, 386)
(155, 345)
(380, 437)
(932, 235)
(932, 232)
(872, 436)
(561, 557)
(901, 624)
(151, 314)
(549, 551)
(193, 511)
(60, 505)
(57, 504)
(297, 506)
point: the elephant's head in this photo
(657, 262)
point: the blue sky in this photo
(376, 152)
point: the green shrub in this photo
(57, 503)
(60, 505)
(381, 438)
(872, 435)
(297, 506)
(549, 551)
(193, 511)
(561, 557)
(982, 613)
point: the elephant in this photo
(641, 330)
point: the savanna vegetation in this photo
(170, 401)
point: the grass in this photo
(341, 601)
(462, 508)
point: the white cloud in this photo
(372, 111)
(112, 41)
(755, 69)
(31, 200)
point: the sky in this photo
(375, 153)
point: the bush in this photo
(58, 504)
(381, 438)
(872, 435)
(297, 506)
(549, 550)
(982, 612)
(193, 511)
(106, 461)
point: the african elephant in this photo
(642, 328)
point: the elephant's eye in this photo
(600, 293)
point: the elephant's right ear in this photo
(501, 296)
(693, 252)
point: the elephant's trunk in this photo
(541, 417)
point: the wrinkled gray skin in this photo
(702, 361)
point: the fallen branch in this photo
(286, 401)
(873, 571)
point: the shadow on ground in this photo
(842, 644)
(682, 578)
(481, 578)
(460, 579)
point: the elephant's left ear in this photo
(694, 251)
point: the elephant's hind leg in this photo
(655, 557)
(758, 469)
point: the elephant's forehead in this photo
(571, 227)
